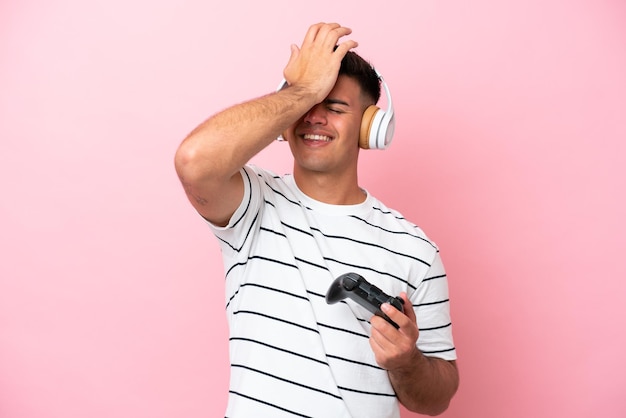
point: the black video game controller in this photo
(358, 289)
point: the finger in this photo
(311, 33)
(328, 28)
(408, 307)
(394, 314)
(406, 323)
(295, 51)
(385, 333)
(386, 342)
(319, 30)
(326, 35)
(344, 47)
(331, 35)
(382, 333)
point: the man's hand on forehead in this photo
(315, 65)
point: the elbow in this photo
(199, 170)
(440, 409)
(203, 157)
(192, 164)
(430, 410)
(184, 159)
(437, 402)
(440, 405)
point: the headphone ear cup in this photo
(366, 127)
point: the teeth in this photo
(317, 137)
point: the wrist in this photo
(304, 95)
(412, 362)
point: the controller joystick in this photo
(355, 287)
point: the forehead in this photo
(347, 90)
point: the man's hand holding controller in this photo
(358, 289)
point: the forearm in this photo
(222, 144)
(209, 159)
(427, 386)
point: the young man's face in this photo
(325, 140)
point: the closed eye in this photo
(336, 106)
(335, 110)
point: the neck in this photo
(327, 188)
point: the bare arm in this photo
(209, 159)
(423, 384)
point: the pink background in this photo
(510, 152)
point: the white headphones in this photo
(377, 125)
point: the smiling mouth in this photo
(321, 138)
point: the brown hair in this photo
(353, 65)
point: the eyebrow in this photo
(336, 101)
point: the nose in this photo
(316, 116)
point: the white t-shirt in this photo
(291, 353)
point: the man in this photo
(285, 239)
